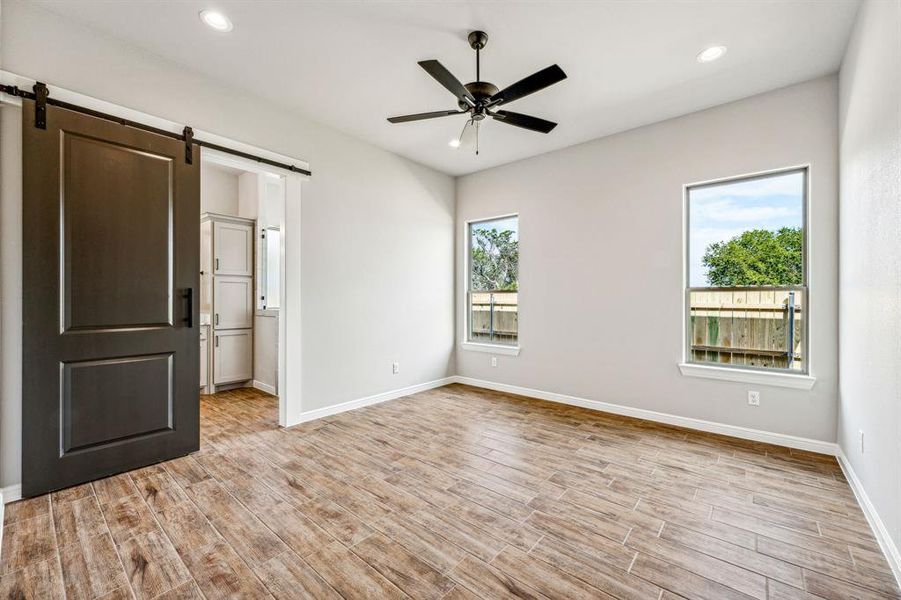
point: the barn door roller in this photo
(40, 105)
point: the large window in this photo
(746, 296)
(493, 281)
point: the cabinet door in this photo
(233, 356)
(233, 302)
(233, 247)
(203, 358)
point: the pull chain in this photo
(477, 137)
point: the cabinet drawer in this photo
(233, 356)
(232, 302)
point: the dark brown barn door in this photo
(111, 222)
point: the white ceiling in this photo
(351, 64)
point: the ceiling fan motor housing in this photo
(481, 91)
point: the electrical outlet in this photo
(754, 398)
(395, 367)
(860, 433)
(493, 361)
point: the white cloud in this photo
(783, 185)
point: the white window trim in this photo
(772, 378)
(785, 379)
(465, 344)
(491, 348)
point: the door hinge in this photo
(40, 104)
(189, 145)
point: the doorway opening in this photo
(242, 215)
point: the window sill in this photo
(267, 312)
(786, 380)
(491, 348)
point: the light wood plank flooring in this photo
(454, 493)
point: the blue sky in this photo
(719, 213)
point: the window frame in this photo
(467, 343)
(262, 307)
(783, 377)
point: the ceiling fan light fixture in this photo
(216, 20)
(711, 53)
(454, 143)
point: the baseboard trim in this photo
(328, 411)
(264, 387)
(11, 493)
(886, 544)
(757, 435)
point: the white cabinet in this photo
(233, 248)
(204, 357)
(233, 302)
(227, 298)
(233, 352)
(206, 269)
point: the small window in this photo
(747, 296)
(270, 250)
(492, 294)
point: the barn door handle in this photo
(189, 296)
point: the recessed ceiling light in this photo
(711, 54)
(216, 20)
(454, 143)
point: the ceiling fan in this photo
(480, 99)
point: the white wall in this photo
(377, 247)
(218, 191)
(870, 258)
(601, 259)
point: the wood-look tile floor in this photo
(454, 493)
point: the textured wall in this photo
(870, 252)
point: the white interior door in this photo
(233, 302)
(233, 246)
(233, 356)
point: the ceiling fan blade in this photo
(524, 121)
(445, 78)
(422, 116)
(529, 85)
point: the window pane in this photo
(747, 327)
(748, 298)
(747, 232)
(494, 281)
